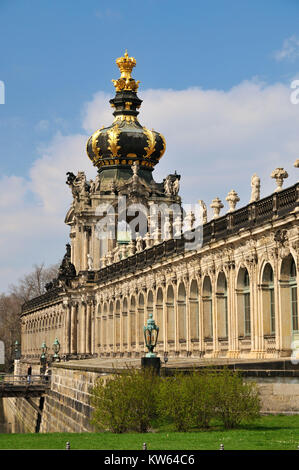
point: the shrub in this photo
(110, 404)
(125, 401)
(175, 401)
(200, 387)
(235, 400)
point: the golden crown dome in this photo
(126, 140)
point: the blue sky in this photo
(57, 62)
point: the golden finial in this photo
(126, 82)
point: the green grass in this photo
(267, 433)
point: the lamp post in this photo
(17, 350)
(43, 357)
(56, 349)
(151, 333)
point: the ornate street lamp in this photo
(56, 349)
(44, 349)
(151, 332)
(17, 350)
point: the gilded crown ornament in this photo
(126, 82)
(125, 141)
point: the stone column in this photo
(82, 323)
(87, 233)
(73, 338)
(67, 328)
(88, 327)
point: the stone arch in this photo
(222, 305)
(207, 309)
(243, 302)
(110, 324)
(105, 325)
(150, 303)
(125, 322)
(141, 319)
(289, 303)
(194, 310)
(99, 324)
(170, 315)
(182, 313)
(268, 299)
(133, 320)
(117, 323)
(159, 314)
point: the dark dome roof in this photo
(125, 141)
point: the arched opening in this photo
(110, 326)
(104, 329)
(99, 326)
(194, 311)
(207, 308)
(268, 301)
(133, 321)
(170, 314)
(289, 304)
(222, 308)
(243, 301)
(117, 324)
(141, 320)
(159, 319)
(181, 302)
(125, 323)
(150, 303)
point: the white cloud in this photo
(216, 140)
(289, 50)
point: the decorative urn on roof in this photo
(126, 141)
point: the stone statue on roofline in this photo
(255, 188)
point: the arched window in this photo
(170, 315)
(246, 296)
(222, 310)
(141, 319)
(207, 308)
(159, 310)
(293, 288)
(194, 311)
(181, 302)
(133, 321)
(243, 303)
(268, 300)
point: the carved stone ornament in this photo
(216, 206)
(279, 174)
(232, 198)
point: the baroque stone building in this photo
(232, 294)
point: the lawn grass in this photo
(268, 433)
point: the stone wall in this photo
(21, 416)
(280, 396)
(67, 405)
